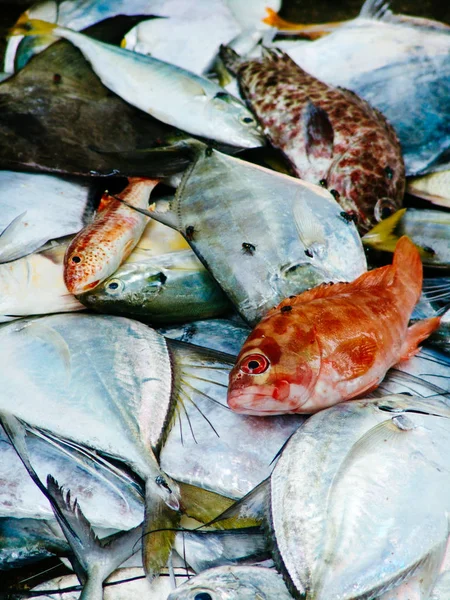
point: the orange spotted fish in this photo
(333, 342)
(101, 247)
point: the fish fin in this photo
(25, 26)
(319, 132)
(310, 229)
(193, 87)
(160, 526)
(376, 9)
(230, 59)
(408, 268)
(354, 357)
(202, 505)
(416, 334)
(249, 511)
(10, 232)
(278, 57)
(105, 202)
(382, 236)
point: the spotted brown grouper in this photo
(329, 135)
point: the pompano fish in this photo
(171, 94)
(330, 136)
(35, 208)
(433, 187)
(326, 542)
(282, 236)
(332, 343)
(101, 247)
(168, 288)
(34, 285)
(408, 50)
(428, 229)
(233, 583)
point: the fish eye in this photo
(203, 596)
(247, 120)
(254, 364)
(114, 286)
(76, 259)
(384, 208)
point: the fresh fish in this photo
(157, 239)
(52, 119)
(388, 455)
(101, 247)
(433, 187)
(219, 334)
(169, 288)
(36, 208)
(233, 583)
(441, 337)
(34, 285)
(408, 50)
(172, 95)
(91, 407)
(428, 229)
(263, 235)
(24, 541)
(330, 136)
(332, 343)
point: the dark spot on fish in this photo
(429, 250)
(335, 194)
(389, 172)
(286, 309)
(162, 277)
(271, 80)
(163, 483)
(113, 285)
(309, 253)
(190, 230)
(76, 259)
(57, 78)
(208, 151)
(292, 297)
(349, 216)
(271, 349)
(248, 248)
(203, 596)
(323, 183)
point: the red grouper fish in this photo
(333, 342)
(329, 135)
(103, 245)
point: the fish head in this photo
(232, 123)
(277, 367)
(85, 266)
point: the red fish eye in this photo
(254, 364)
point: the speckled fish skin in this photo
(329, 135)
(101, 247)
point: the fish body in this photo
(329, 135)
(101, 247)
(169, 288)
(433, 187)
(171, 94)
(261, 234)
(35, 208)
(367, 450)
(333, 342)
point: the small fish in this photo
(326, 133)
(333, 342)
(172, 95)
(433, 187)
(428, 229)
(101, 247)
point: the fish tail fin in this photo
(25, 26)
(230, 59)
(408, 269)
(160, 528)
(416, 334)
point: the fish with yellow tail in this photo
(169, 93)
(331, 343)
(103, 245)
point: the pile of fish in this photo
(213, 298)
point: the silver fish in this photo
(233, 583)
(362, 449)
(433, 187)
(35, 208)
(170, 94)
(169, 288)
(283, 235)
(408, 50)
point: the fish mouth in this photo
(78, 290)
(258, 404)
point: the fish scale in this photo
(329, 135)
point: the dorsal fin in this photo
(379, 10)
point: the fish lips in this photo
(263, 401)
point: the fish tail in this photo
(160, 528)
(230, 59)
(408, 269)
(416, 334)
(25, 26)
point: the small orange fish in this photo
(101, 247)
(333, 342)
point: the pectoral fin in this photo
(354, 357)
(319, 133)
(416, 334)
